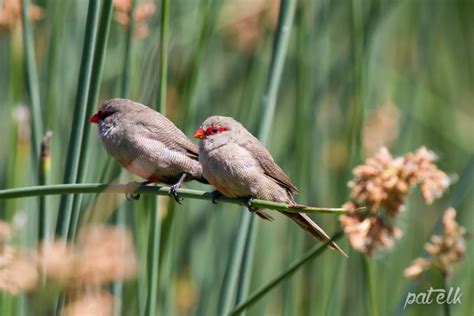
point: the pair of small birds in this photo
(229, 157)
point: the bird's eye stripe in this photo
(102, 115)
(215, 130)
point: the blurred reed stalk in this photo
(153, 258)
(356, 123)
(121, 216)
(208, 9)
(95, 81)
(240, 270)
(32, 84)
(71, 170)
(124, 84)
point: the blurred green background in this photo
(357, 75)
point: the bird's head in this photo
(216, 127)
(113, 108)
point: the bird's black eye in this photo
(215, 130)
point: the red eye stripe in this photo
(215, 130)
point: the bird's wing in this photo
(267, 163)
(167, 133)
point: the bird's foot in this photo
(132, 196)
(215, 195)
(173, 192)
(133, 186)
(248, 203)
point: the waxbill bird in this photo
(239, 166)
(147, 144)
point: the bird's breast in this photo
(231, 169)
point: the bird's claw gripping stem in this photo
(248, 203)
(133, 186)
(215, 195)
(132, 196)
(173, 192)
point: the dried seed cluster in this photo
(382, 185)
(445, 250)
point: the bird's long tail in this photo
(305, 222)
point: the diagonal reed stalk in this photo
(78, 118)
(238, 282)
(287, 273)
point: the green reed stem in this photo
(124, 85)
(163, 80)
(446, 306)
(96, 78)
(79, 117)
(79, 188)
(32, 83)
(308, 256)
(371, 283)
(248, 237)
(121, 213)
(153, 257)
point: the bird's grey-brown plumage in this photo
(146, 143)
(238, 165)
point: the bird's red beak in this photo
(94, 118)
(199, 134)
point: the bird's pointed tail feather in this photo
(305, 222)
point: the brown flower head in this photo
(142, 13)
(93, 303)
(381, 128)
(417, 267)
(10, 15)
(384, 181)
(244, 22)
(5, 233)
(369, 233)
(102, 254)
(383, 184)
(58, 260)
(445, 250)
(18, 271)
(420, 168)
(106, 254)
